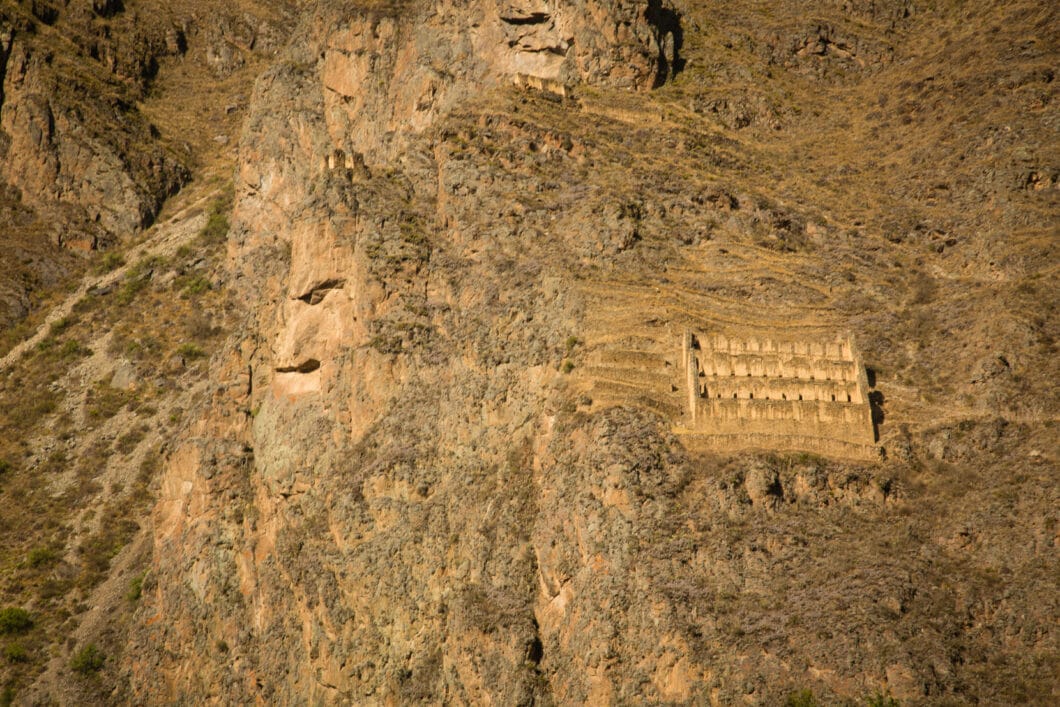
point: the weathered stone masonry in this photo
(776, 393)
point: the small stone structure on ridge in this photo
(776, 394)
(551, 86)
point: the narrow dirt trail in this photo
(163, 239)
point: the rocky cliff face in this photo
(75, 153)
(361, 365)
(387, 74)
(102, 110)
(60, 150)
(403, 484)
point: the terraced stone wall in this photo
(777, 393)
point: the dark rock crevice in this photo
(307, 366)
(316, 293)
(666, 23)
(534, 18)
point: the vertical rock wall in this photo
(352, 518)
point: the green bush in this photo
(191, 351)
(15, 620)
(879, 699)
(802, 698)
(104, 402)
(138, 277)
(809, 459)
(72, 348)
(88, 660)
(195, 285)
(69, 349)
(128, 442)
(110, 261)
(40, 556)
(16, 653)
(60, 325)
(216, 229)
(136, 588)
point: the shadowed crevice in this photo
(317, 292)
(670, 37)
(307, 366)
(534, 18)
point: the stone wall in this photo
(772, 392)
(552, 86)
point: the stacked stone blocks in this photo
(776, 393)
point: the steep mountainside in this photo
(438, 451)
(70, 173)
(106, 108)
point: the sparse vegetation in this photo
(16, 653)
(802, 698)
(918, 241)
(88, 660)
(111, 260)
(57, 451)
(215, 230)
(137, 278)
(881, 700)
(136, 587)
(194, 285)
(102, 546)
(14, 620)
(42, 557)
(216, 227)
(128, 441)
(104, 402)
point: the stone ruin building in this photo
(763, 392)
(549, 86)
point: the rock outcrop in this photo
(75, 153)
(61, 147)
(390, 73)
